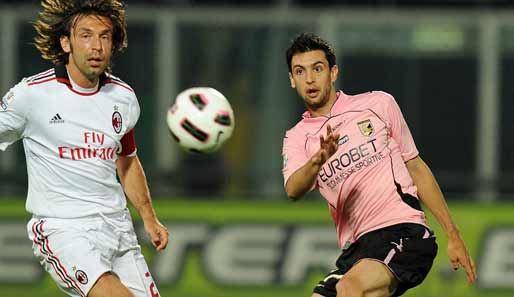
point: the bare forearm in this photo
(134, 183)
(302, 180)
(431, 195)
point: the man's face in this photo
(89, 46)
(312, 78)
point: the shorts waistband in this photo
(99, 215)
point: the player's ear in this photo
(291, 80)
(65, 44)
(334, 72)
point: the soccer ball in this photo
(200, 120)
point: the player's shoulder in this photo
(38, 79)
(118, 84)
(22, 92)
(298, 131)
(28, 83)
(373, 99)
(373, 96)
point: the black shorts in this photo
(407, 249)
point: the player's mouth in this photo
(95, 62)
(312, 92)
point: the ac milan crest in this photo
(81, 276)
(116, 121)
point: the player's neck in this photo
(326, 108)
(80, 79)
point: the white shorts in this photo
(76, 252)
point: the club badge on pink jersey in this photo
(116, 121)
(366, 127)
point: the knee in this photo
(109, 285)
(350, 287)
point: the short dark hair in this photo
(306, 42)
(58, 17)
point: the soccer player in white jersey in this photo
(358, 151)
(77, 125)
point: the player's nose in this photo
(97, 44)
(309, 77)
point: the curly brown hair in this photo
(58, 17)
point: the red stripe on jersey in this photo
(110, 81)
(68, 83)
(41, 74)
(128, 143)
(41, 81)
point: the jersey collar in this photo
(62, 76)
(308, 116)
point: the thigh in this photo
(133, 271)
(109, 285)
(369, 276)
(68, 254)
(405, 250)
(411, 258)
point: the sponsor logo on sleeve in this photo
(343, 140)
(6, 100)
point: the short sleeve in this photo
(14, 108)
(128, 141)
(293, 153)
(134, 112)
(400, 131)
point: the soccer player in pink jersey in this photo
(77, 122)
(359, 153)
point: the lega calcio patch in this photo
(6, 100)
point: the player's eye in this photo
(298, 71)
(318, 68)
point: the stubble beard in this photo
(324, 98)
(91, 73)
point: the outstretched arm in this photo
(134, 184)
(302, 180)
(431, 195)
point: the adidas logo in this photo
(56, 119)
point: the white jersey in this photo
(72, 138)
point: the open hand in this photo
(328, 146)
(459, 257)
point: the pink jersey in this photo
(366, 183)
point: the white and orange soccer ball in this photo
(200, 120)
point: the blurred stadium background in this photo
(448, 63)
